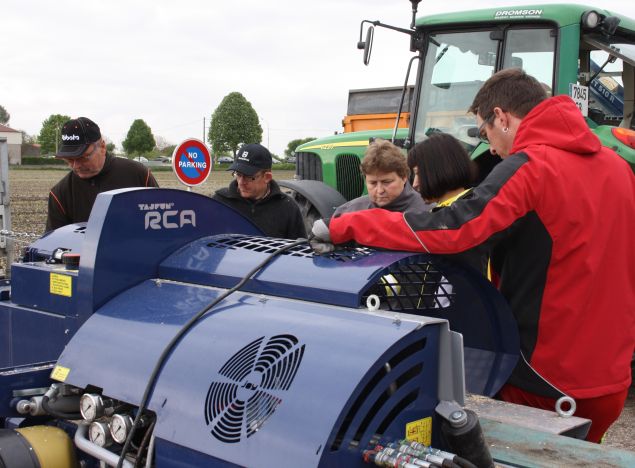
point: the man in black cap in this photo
(92, 171)
(255, 195)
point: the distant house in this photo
(14, 142)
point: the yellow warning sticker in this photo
(420, 431)
(60, 373)
(62, 285)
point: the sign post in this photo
(191, 162)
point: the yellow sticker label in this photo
(420, 431)
(62, 285)
(60, 373)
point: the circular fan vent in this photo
(250, 386)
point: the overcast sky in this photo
(171, 63)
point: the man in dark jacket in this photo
(255, 195)
(558, 210)
(92, 171)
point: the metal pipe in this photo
(150, 452)
(100, 453)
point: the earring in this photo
(505, 130)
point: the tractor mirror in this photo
(367, 45)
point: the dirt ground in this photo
(29, 191)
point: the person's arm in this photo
(296, 229)
(56, 216)
(503, 197)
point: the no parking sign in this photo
(191, 162)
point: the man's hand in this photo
(320, 247)
(320, 231)
(320, 239)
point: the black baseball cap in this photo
(77, 135)
(251, 159)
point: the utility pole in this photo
(267, 124)
(57, 136)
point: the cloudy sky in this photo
(171, 63)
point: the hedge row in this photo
(39, 161)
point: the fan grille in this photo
(249, 386)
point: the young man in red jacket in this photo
(558, 212)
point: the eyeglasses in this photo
(240, 175)
(482, 134)
(82, 159)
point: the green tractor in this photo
(587, 53)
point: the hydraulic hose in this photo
(184, 329)
(58, 414)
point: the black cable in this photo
(58, 414)
(144, 441)
(175, 340)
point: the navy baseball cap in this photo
(251, 159)
(77, 135)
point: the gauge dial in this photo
(120, 427)
(90, 406)
(99, 434)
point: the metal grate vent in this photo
(268, 245)
(308, 166)
(350, 180)
(412, 287)
(380, 396)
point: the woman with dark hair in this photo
(443, 171)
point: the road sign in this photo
(191, 162)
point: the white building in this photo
(14, 142)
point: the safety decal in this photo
(62, 285)
(60, 373)
(420, 431)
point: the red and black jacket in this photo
(559, 214)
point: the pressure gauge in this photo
(120, 427)
(91, 406)
(99, 434)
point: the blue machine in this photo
(313, 361)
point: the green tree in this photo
(110, 147)
(139, 139)
(293, 144)
(50, 134)
(234, 122)
(4, 116)
(27, 139)
(168, 150)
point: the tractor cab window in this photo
(455, 67)
(606, 67)
(533, 50)
(457, 64)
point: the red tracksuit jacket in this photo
(559, 213)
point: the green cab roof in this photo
(563, 14)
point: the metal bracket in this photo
(452, 412)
